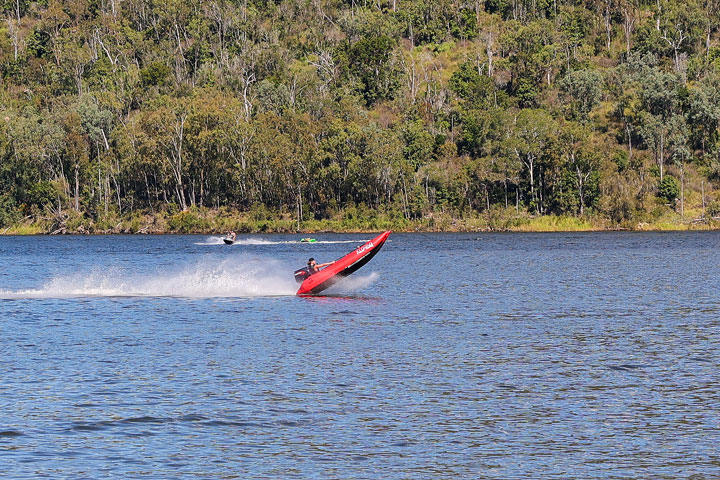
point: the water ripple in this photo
(530, 356)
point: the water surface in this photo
(447, 356)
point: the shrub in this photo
(713, 210)
(669, 188)
(8, 211)
(187, 222)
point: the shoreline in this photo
(36, 230)
(205, 221)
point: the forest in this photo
(300, 115)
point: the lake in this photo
(574, 355)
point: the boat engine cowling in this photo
(302, 274)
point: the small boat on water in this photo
(308, 240)
(229, 238)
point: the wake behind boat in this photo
(313, 283)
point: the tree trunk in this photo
(506, 192)
(488, 49)
(628, 27)
(661, 156)
(531, 169)
(629, 135)
(147, 187)
(580, 190)
(13, 30)
(77, 187)
(177, 160)
(682, 191)
(608, 26)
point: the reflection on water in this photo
(522, 356)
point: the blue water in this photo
(447, 356)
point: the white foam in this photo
(256, 241)
(359, 242)
(212, 241)
(239, 241)
(226, 278)
(263, 241)
(353, 283)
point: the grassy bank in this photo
(356, 219)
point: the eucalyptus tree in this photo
(502, 149)
(575, 30)
(419, 142)
(533, 54)
(583, 90)
(711, 21)
(476, 90)
(704, 112)
(662, 96)
(283, 151)
(390, 172)
(76, 154)
(532, 131)
(681, 27)
(139, 170)
(164, 128)
(371, 61)
(212, 139)
(630, 12)
(342, 146)
(33, 147)
(581, 161)
(623, 89)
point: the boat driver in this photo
(313, 267)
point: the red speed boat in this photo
(328, 276)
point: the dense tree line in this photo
(608, 108)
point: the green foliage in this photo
(187, 222)
(622, 160)
(476, 90)
(523, 10)
(662, 94)
(156, 73)
(38, 44)
(419, 143)
(370, 62)
(713, 210)
(407, 113)
(9, 213)
(480, 128)
(271, 97)
(526, 90)
(648, 39)
(669, 188)
(704, 115)
(583, 89)
(438, 21)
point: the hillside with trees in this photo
(261, 115)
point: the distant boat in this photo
(229, 238)
(308, 240)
